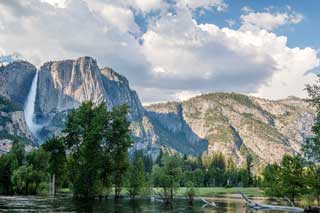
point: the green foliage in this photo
(170, 176)
(136, 176)
(190, 192)
(98, 141)
(311, 148)
(271, 182)
(241, 99)
(7, 164)
(313, 181)
(8, 106)
(286, 180)
(27, 178)
(21, 180)
(121, 141)
(4, 134)
(18, 152)
(55, 148)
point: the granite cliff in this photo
(15, 81)
(230, 123)
(237, 125)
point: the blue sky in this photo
(305, 33)
(174, 49)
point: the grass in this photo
(221, 191)
(203, 191)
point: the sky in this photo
(171, 50)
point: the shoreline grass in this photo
(200, 191)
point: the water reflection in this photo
(67, 204)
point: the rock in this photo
(234, 124)
(12, 125)
(15, 81)
(237, 125)
(64, 85)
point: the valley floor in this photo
(204, 191)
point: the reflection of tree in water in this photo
(135, 205)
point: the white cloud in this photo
(40, 32)
(207, 58)
(56, 3)
(230, 22)
(268, 20)
(185, 95)
(119, 17)
(147, 6)
(246, 9)
(174, 59)
(220, 5)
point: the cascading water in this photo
(29, 107)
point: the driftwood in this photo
(160, 198)
(257, 206)
(207, 203)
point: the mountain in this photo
(236, 124)
(15, 81)
(231, 123)
(64, 85)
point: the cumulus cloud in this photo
(122, 18)
(56, 3)
(185, 54)
(220, 5)
(268, 20)
(174, 58)
(41, 32)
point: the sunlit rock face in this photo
(64, 85)
(238, 125)
(234, 124)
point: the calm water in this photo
(67, 204)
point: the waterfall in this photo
(29, 107)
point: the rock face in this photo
(233, 124)
(15, 81)
(64, 85)
(236, 124)
(173, 131)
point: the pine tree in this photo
(57, 160)
(136, 176)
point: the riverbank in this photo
(201, 191)
(222, 191)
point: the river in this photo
(67, 204)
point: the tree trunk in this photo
(53, 184)
(26, 189)
(293, 196)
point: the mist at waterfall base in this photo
(29, 107)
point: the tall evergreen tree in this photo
(170, 176)
(311, 148)
(84, 132)
(120, 141)
(57, 160)
(249, 165)
(136, 176)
